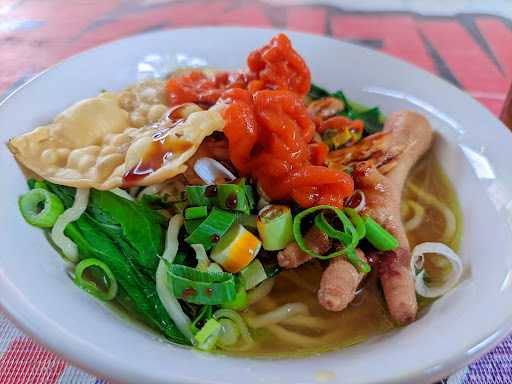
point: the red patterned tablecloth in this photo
(472, 51)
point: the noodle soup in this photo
(249, 212)
(321, 330)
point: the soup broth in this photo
(367, 315)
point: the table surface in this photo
(465, 43)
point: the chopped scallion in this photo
(240, 301)
(196, 212)
(253, 274)
(349, 237)
(249, 192)
(232, 197)
(275, 227)
(40, 208)
(212, 228)
(378, 236)
(247, 220)
(90, 286)
(229, 333)
(197, 195)
(198, 287)
(357, 221)
(191, 225)
(208, 335)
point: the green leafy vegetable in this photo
(198, 287)
(315, 92)
(180, 257)
(341, 96)
(96, 236)
(372, 117)
(141, 226)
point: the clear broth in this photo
(367, 315)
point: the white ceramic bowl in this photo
(473, 147)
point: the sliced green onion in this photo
(191, 225)
(322, 224)
(420, 275)
(232, 197)
(91, 287)
(359, 264)
(240, 301)
(249, 193)
(40, 207)
(381, 239)
(197, 287)
(208, 335)
(229, 333)
(247, 220)
(350, 238)
(275, 227)
(197, 195)
(196, 212)
(358, 222)
(240, 323)
(212, 229)
(253, 274)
